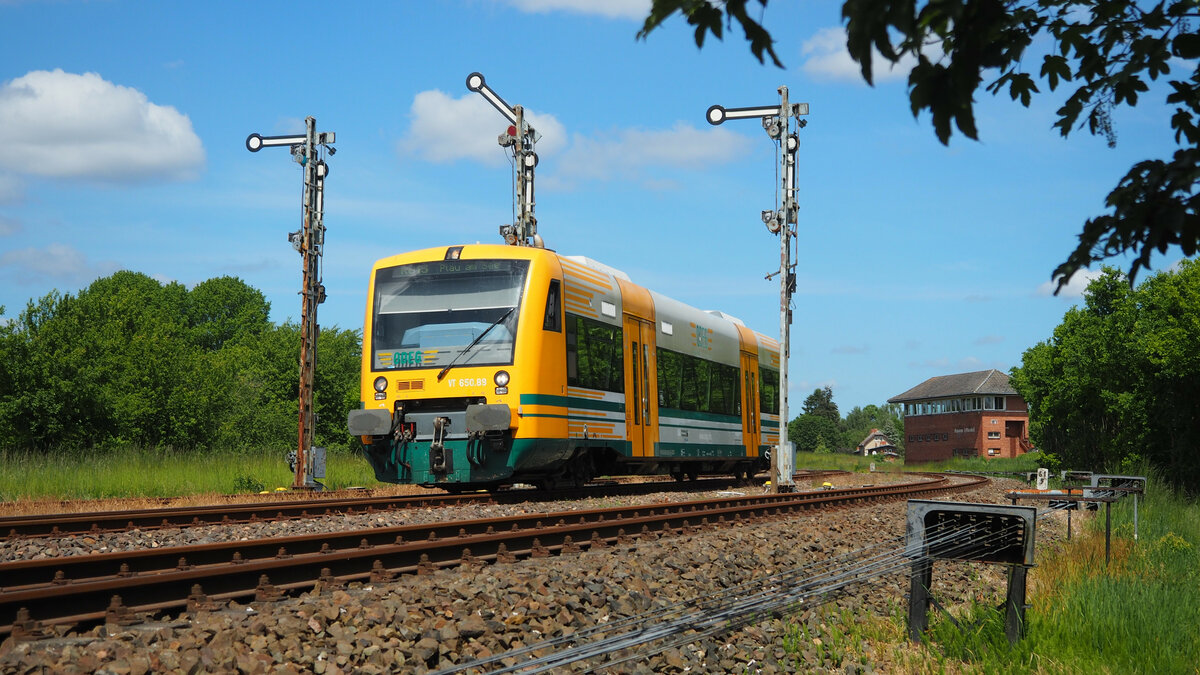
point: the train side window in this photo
(633, 355)
(768, 391)
(594, 355)
(553, 319)
(670, 376)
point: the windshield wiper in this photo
(474, 342)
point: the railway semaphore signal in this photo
(777, 122)
(309, 240)
(521, 137)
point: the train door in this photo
(750, 427)
(641, 387)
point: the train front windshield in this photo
(430, 314)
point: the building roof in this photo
(875, 433)
(984, 382)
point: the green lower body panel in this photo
(477, 462)
(485, 463)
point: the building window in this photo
(992, 452)
(993, 434)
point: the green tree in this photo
(820, 403)
(97, 369)
(808, 432)
(893, 428)
(222, 309)
(1119, 381)
(1106, 49)
(133, 361)
(339, 366)
(860, 421)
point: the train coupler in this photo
(439, 461)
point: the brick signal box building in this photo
(965, 415)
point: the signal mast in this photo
(309, 241)
(777, 122)
(521, 137)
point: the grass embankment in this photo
(139, 473)
(829, 460)
(163, 473)
(1138, 614)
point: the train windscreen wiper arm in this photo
(474, 342)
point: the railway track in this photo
(64, 524)
(115, 587)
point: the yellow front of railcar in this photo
(452, 339)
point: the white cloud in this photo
(609, 9)
(1074, 288)
(65, 125)
(623, 152)
(989, 340)
(56, 261)
(446, 129)
(826, 58)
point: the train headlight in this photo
(501, 378)
(381, 384)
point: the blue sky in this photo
(122, 131)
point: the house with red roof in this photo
(877, 443)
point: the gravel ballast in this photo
(451, 616)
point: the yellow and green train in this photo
(489, 365)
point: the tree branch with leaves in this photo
(1107, 49)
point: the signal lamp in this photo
(381, 384)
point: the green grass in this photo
(824, 461)
(1137, 614)
(1024, 463)
(819, 460)
(134, 472)
(160, 473)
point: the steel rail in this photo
(91, 599)
(65, 524)
(31, 574)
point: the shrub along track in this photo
(113, 587)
